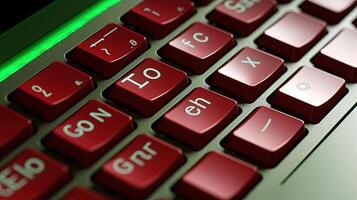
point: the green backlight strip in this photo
(27, 55)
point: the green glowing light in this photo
(27, 55)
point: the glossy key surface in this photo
(148, 87)
(53, 90)
(328, 10)
(14, 128)
(81, 193)
(242, 17)
(90, 132)
(309, 94)
(109, 50)
(31, 175)
(218, 176)
(339, 56)
(198, 117)
(198, 47)
(140, 167)
(248, 74)
(293, 35)
(266, 136)
(159, 17)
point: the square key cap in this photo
(140, 167)
(159, 17)
(266, 136)
(339, 56)
(331, 11)
(31, 175)
(53, 90)
(198, 47)
(199, 117)
(14, 128)
(90, 132)
(218, 176)
(248, 74)
(242, 17)
(293, 35)
(309, 94)
(109, 50)
(148, 87)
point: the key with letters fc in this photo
(198, 47)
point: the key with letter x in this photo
(248, 74)
(251, 62)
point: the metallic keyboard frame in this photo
(273, 179)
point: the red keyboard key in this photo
(248, 74)
(148, 87)
(198, 118)
(328, 10)
(242, 17)
(310, 94)
(198, 47)
(140, 167)
(159, 17)
(90, 132)
(293, 35)
(218, 176)
(339, 56)
(14, 128)
(53, 90)
(266, 136)
(80, 193)
(32, 175)
(109, 50)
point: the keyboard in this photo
(179, 99)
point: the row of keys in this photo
(131, 171)
(194, 121)
(134, 172)
(313, 99)
(201, 45)
(302, 89)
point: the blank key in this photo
(293, 35)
